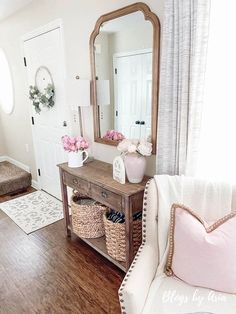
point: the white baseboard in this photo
(19, 164)
(15, 162)
(3, 158)
(35, 184)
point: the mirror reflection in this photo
(123, 64)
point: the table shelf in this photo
(95, 180)
(99, 244)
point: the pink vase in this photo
(135, 166)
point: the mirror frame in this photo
(148, 16)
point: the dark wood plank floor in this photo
(45, 272)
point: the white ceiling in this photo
(9, 7)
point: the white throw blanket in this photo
(210, 200)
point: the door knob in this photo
(137, 122)
(142, 122)
(64, 123)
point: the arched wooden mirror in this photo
(125, 46)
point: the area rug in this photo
(33, 211)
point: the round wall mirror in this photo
(6, 91)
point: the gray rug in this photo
(33, 211)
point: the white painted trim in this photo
(132, 53)
(58, 23)
(15, 162)
(19, 164)
(35, 184)
(3, 158)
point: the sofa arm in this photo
(135, 286)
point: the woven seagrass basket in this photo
(115, 238)
(87, 217)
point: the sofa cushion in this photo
(169, 295)
(211, 200)
(201, 254)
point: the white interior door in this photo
(128, 94)
(50, 125)
(132, 88)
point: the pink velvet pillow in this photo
(202, 255)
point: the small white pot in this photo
(75, 159)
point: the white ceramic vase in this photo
(76, 159)
(135, 166)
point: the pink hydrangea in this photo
(74, 144)
(113, 135)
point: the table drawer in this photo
(106, 197)
(78, 184)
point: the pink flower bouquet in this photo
(113, 135)
(74, 144)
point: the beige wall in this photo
(103, 73)
(132, 39)
(79, 18)
(2, 142)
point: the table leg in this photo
(129, 233)
(65, 205)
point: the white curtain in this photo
(184, 46)
(217, 158)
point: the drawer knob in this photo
(75, 181)
(104, 194)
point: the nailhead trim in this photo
(140, 248)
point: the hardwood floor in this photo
(4, 198)
(46, 272)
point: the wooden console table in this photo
(95, 180)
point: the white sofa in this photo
(142, 291)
